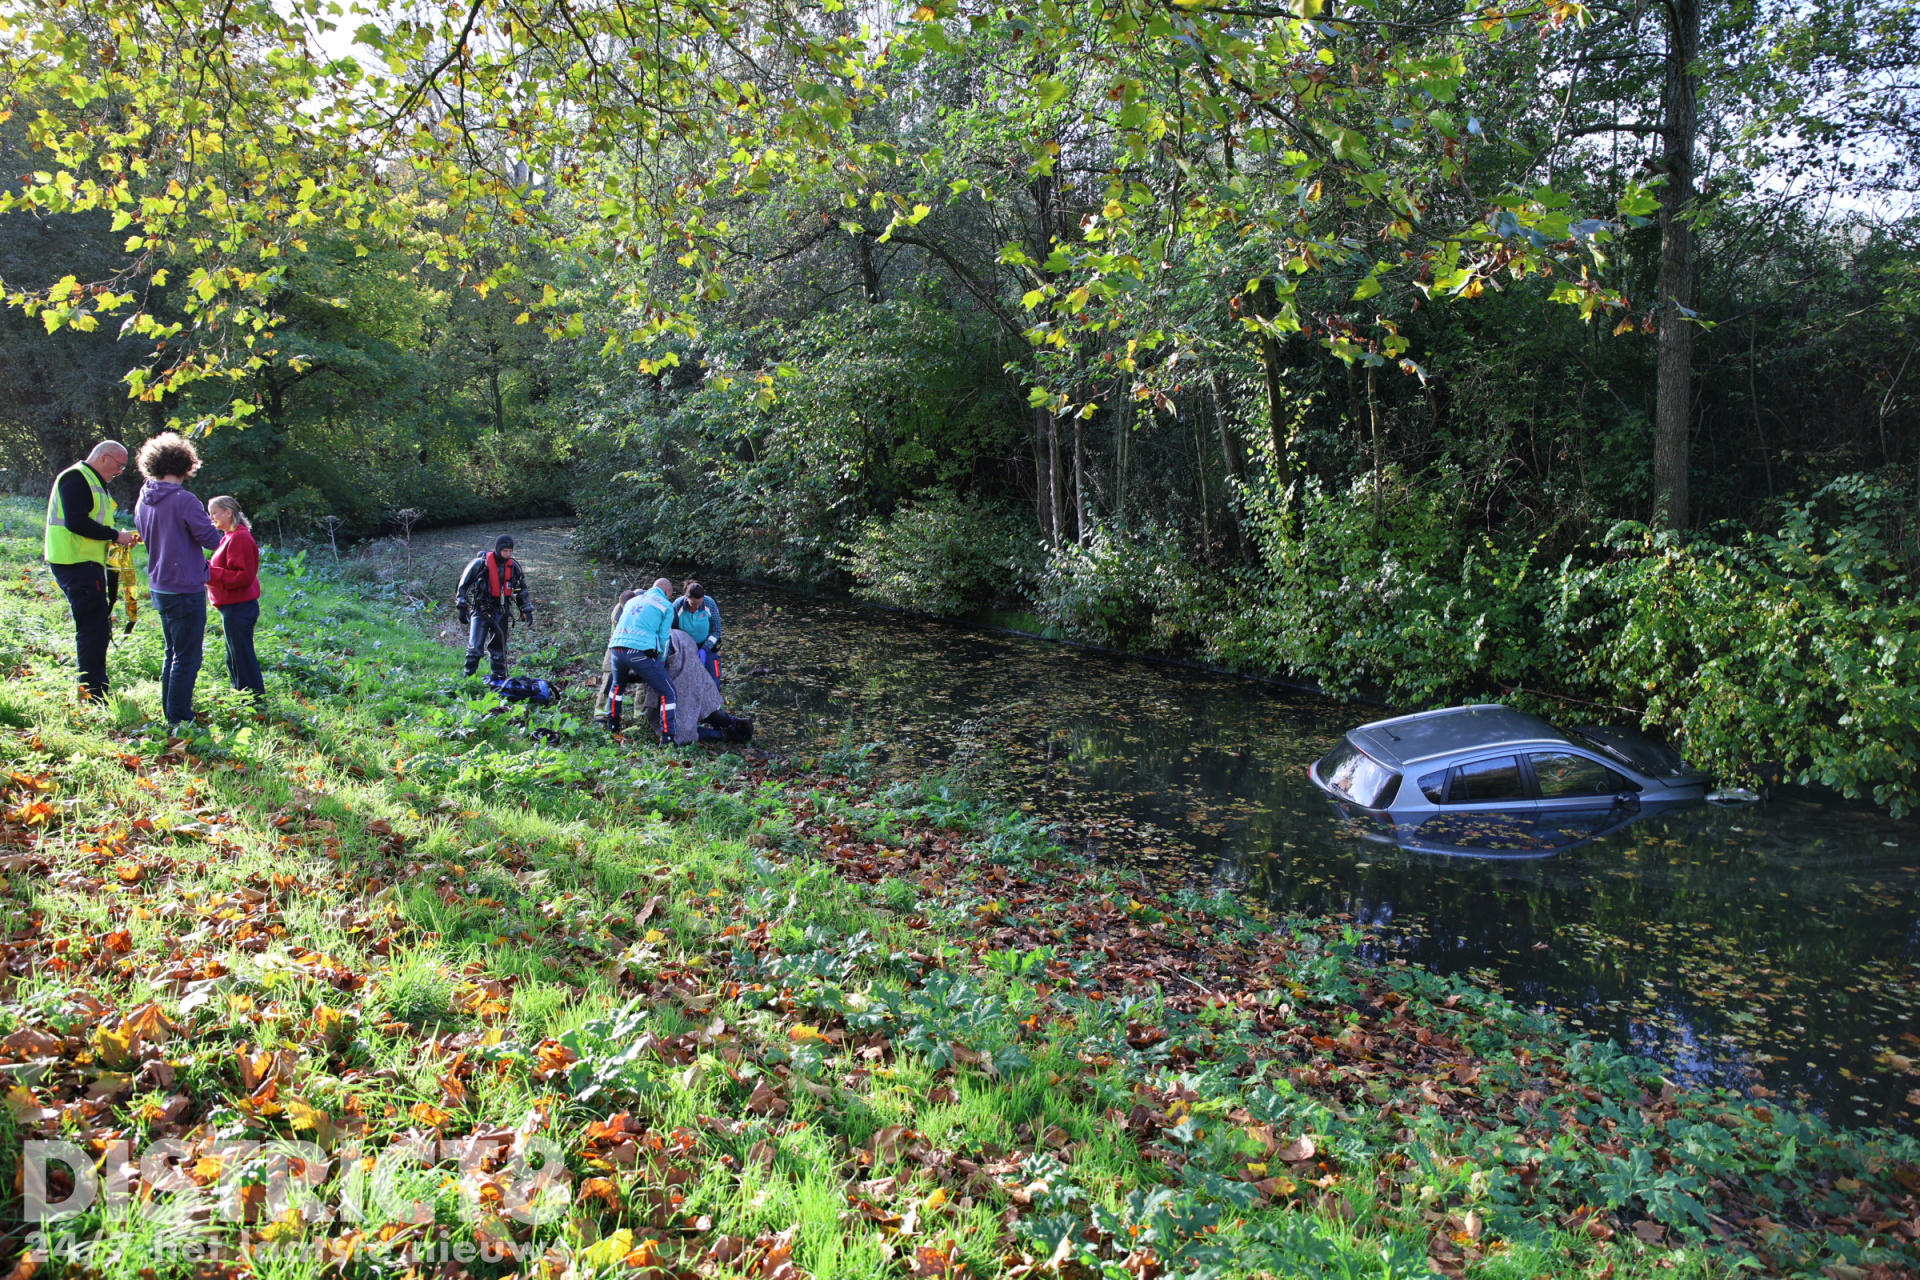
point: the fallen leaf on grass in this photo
(765, 1102)
(939, 1260)
(1296, 1151)
(601, 1189)
(28, 1040)
(306, 1116)
(24, 1107)
(777, 1262)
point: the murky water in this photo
(1774, 945)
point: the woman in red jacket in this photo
(233, 580)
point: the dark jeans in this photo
(631, 668)
(183, 623)
(488, 633)
(89, 590)
(710, 661)
(243, 665)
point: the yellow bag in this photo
(120, 561)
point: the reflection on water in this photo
(1499, 834)
(1773, 945)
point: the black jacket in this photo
(475, 590)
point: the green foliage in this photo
(1128, 588)
(1788, 654)
(873, 406)
(943, 554)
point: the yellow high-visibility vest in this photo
(64, 546)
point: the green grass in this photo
(385, 909)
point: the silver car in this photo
(1490, 757)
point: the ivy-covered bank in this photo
(391, 980)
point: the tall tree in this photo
(1673, 429)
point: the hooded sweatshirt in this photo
(175, 527)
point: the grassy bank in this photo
(527, 1000)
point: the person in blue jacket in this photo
(641, 639)
(698, 614)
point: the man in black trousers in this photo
(484, 599)
(79, 530)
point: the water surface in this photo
(1772, 946)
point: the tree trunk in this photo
(1673, 410)
(1043, 478)
(1053, 476)
(1266, 305)
(869, 269)
(1122, 433)
(1200, 481)
(1223, 417)
(1079, 480)
(1379, 463)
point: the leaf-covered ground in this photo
(506, 996)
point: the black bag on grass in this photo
(523, 689)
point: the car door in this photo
(1573, 781)
(1489, 782)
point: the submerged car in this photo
(1491, 757)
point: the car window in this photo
(1434, 786)
(1562, 774)
(1486, 780)
(1359, 777)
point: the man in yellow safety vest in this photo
(79, 529)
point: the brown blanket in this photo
(697, 695)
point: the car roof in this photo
(1407, 740)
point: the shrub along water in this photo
(765, 1018)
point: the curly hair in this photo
(168, 454)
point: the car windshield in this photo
(1359, 777)
(1635, 750)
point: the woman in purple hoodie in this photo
(176, 527)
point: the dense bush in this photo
(1793, 654)
(945, 555)
(1129, 588)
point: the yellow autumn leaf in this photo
(305, 1115)
(608, 1251)
(804, 1034)
(113, 1046)
(654, 935)
(287, 1226)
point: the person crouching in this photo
(698, 614)
(641, 639)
